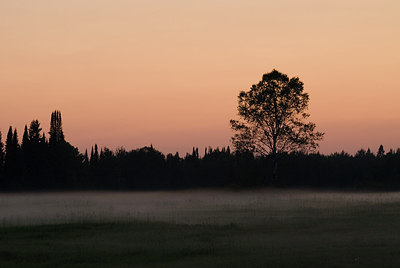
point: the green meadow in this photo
(266, 228)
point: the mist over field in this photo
(187, 207)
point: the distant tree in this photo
(12, 163)
(102, 153)
(86, 157)
(195, 153)
(64, 159)
(273, 114)
(34, 132)
(381, 152)
(360, 153)
(96, 157)
(25, 138)
(34, 156)
(10, 148)
(2, 153)
(15, 139)
(12, 145)
(43, 139)
(91, 154)
(56, 132)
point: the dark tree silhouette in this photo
(25, 138)
(12, 163)
(34, 132)
(39, 166)
(2, 154)
(15, 139)
(12, 145)
(64, 159)
(381, 152)
(9, 144)
(56, 132)
(96, 156)
(273, 114)
(86, 157)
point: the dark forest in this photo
(41, 163)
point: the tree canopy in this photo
(273, 113)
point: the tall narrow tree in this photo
(92, 155)
(2, 153)
(56, 132)
(96, 154)
(15, 139)
(25, 138)
(86, 157)
(9, 146)
(12, 160)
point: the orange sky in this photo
(130, 73)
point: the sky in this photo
(133, 73)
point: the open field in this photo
(201, 228)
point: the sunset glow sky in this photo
(134, 73)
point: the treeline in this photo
(41, 163)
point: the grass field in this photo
(200, 229)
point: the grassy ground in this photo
(353, 236)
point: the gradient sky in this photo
(131, 73)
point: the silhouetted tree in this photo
(86, 157)
(91, 154)
(273, 112)
(34, 132)
(12, 145)
(96, 156)
(25, 138)
(381, 152)
(9, 144)
(64, 159)
(15, 139)
(56, 132)
(43, 139)
(2, 155)
(12, 163)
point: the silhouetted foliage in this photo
(34, 132)
(381, 152)
(25, 138)
(56, 132)
(2, 159)
(274, 111)
(39, 165)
